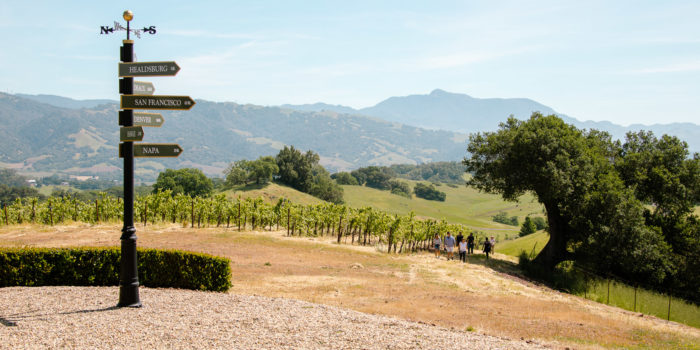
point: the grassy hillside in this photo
(271, 193)
(463, 205)
(514, 247)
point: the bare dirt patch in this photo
(415, 287)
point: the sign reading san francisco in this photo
(148, 69)
(156, 102)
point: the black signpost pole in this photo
(128, 273)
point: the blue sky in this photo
(622, 61)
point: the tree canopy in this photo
(296, 168)
(594, 218)
(189, 181)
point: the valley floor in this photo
(483, 297)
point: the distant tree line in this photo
(384, 178)
(439, 172)
(291, 167)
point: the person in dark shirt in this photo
(470, 243)
(459, 238)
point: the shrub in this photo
(540, 223)
(528, 227)
(503, 218)
(100, 267)
(429, 192)
(400, 188)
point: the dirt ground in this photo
(483, 296)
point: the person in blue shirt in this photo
(449, 245)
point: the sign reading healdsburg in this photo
(131, 132)
(148, 69)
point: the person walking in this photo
(470, 243)
(487, 247)
(463, 251)
(493, 244)
(449, 245)
(459, 238)
(436, 245)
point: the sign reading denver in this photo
(156, 102)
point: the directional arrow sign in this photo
(155, 150)
(143, 88)
(130, 133)
(156, 102)
(148, 119)
(148, 69)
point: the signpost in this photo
(148, 69)
(148, 119)
(156, 102)
(132, 130)
(144, 88)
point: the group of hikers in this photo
(465, 246)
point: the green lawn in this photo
(647, 302)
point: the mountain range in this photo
(46, 134)
(462, 113)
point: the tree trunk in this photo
(554, 251)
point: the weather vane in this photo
(128, 16)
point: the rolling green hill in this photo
(463, 205)
(271, 193)
(531, 244)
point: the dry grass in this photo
(416, 287)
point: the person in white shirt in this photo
(463, 251)
(436, 245)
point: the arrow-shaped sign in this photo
(156, 102)
(143, 88)
(130, 133)
(148, 119)
(154, 150)
(148, 69)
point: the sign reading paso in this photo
(148, 69)
(155, 150)
(156, 102)
(143, 88)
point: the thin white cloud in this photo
(197, 33)
(684, 67)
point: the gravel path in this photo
(85, 317)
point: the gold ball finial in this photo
(128, 15)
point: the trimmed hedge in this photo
(100, 267)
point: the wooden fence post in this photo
(192, 226)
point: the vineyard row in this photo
(365, 226)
